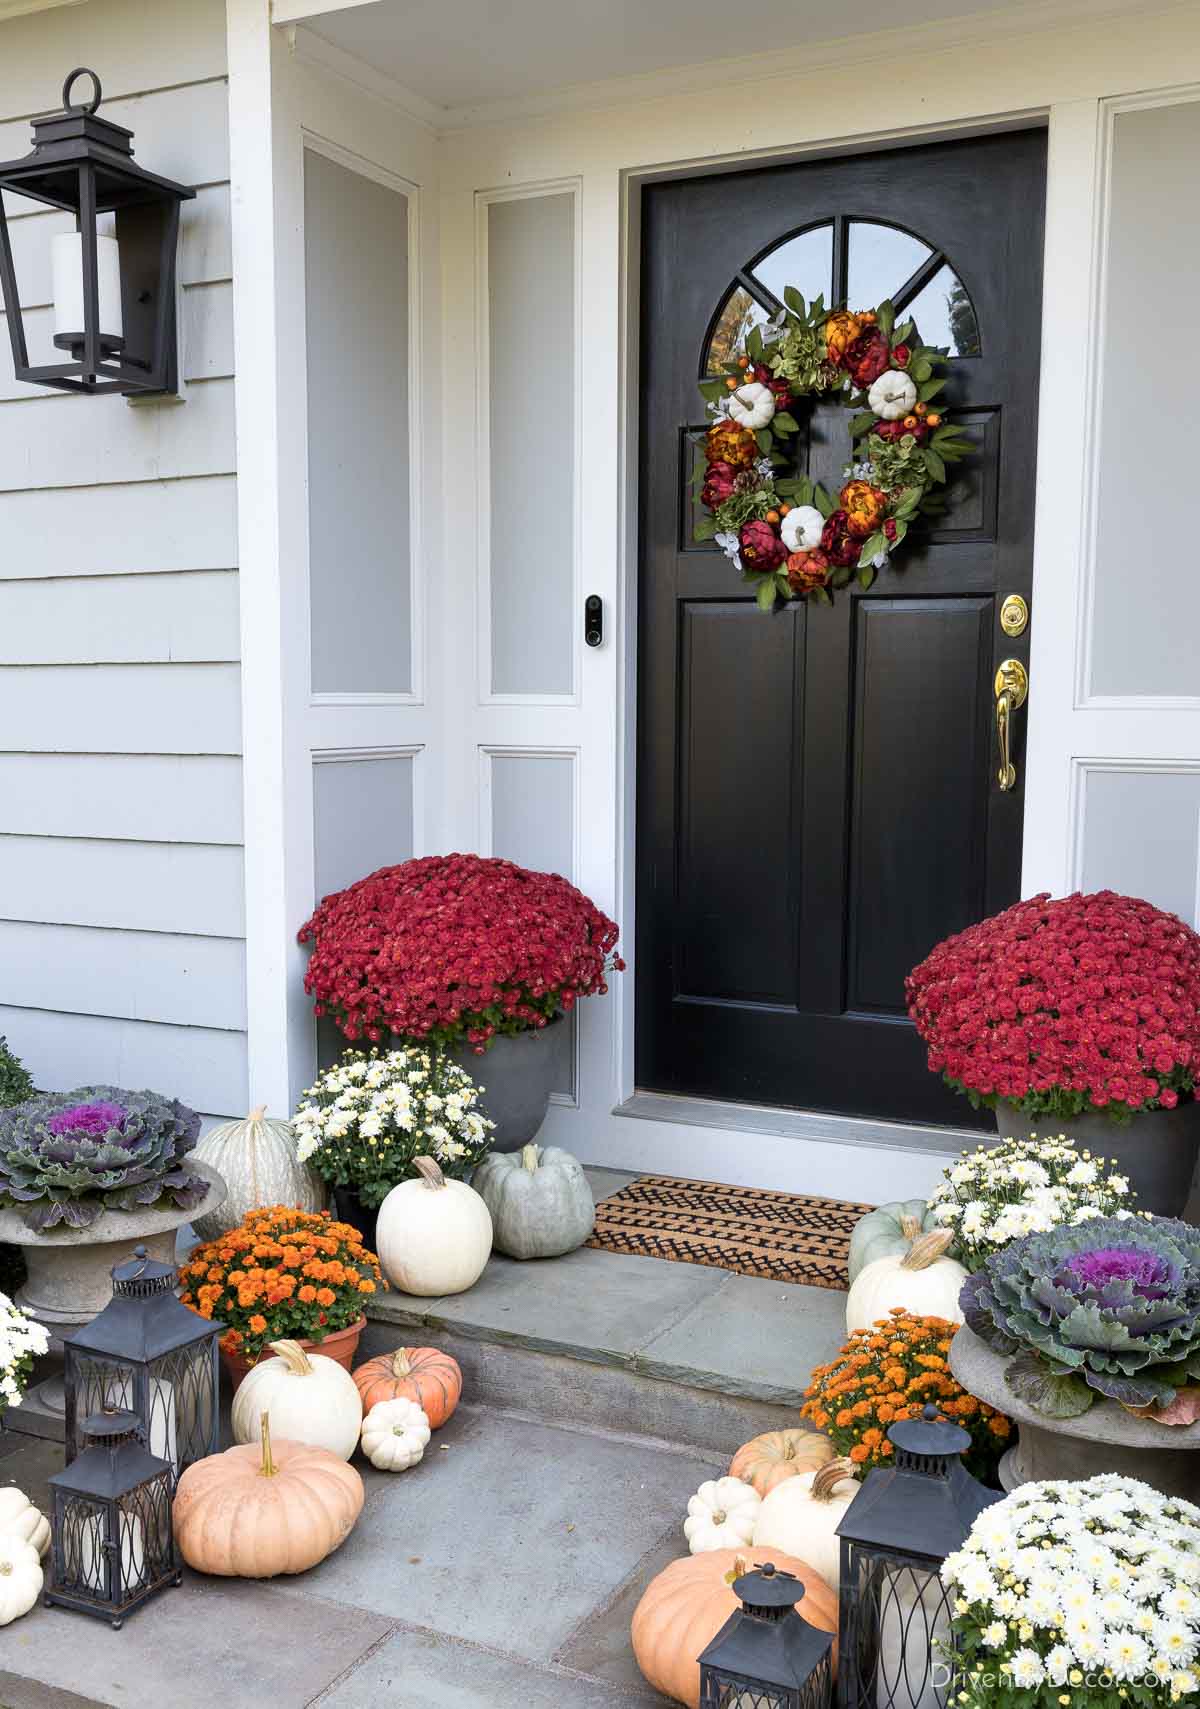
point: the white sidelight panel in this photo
(1140, 832)
(532, 821)
(529, 255)
(356, 248)
(362, 815)
(1146, 596)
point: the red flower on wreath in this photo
(718, 485)
(761, 547)
(867, 358)
(901, 356)
(455, 948)
(840, 544)
(1066, 1005)
(807, 571)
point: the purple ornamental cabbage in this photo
(1109, 1307)
(67, 1156)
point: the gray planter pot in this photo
(517, 1075)
(1106, 1438)
(1156, 1148)
(70, 1270)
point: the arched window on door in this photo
(852, 261)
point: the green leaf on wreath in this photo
(804, 490)
(885, 314)
(931, 388)
(872, 547)
(823, 596)
(754, 344)
(904, 332)
(712, 390)
(787, 489)
(782, 583)
(859, 424)
(705, 529)
(795, 302)
(839, 577)
(823, 501)
(901, 531)
(934, 464)
(921, 369)
(765, 593)
(762, 438)
(784, 422)
(866, 575)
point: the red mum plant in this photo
(454, 949)
(1066, 1006)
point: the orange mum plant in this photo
(888, 1372)
(281, 1274)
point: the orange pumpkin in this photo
(256, 1511)
(424, 1374)
(780, 1454)
(684, 1608)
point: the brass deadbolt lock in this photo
(1014, 615)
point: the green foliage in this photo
(15, 1083)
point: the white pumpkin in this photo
(20, 1518)
(721, 1515)
(922, 1280)
(539, 1199)
(395, 1434)
(256, 1158)
(20, 1577)
(886, 1230)
(307, 1398)
(752, 405)
(433, 1236)
(801, 1516)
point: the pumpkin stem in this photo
(268, 1464)
(429, 1172)
(909, 1227)
(739, 1569)
(529, 1157)
(400, 1364)
(293, 1356)
(829, 1476)
(257, 1113)
(926, 1249)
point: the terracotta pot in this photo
(1155, 1148)
(340, 1346)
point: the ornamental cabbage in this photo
(1110, 1307)
(67, 1156)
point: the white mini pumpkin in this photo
(433, 1236)
(922, 1280)
(307, 1398)
(256, 1158)
(539, 1200)
(395, 1434)
(802, 1514)
(20, 1577)
(721, 1515)
(20, 1518)
(888, 1230)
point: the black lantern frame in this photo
(113, 1544)
(766, 1655)
(147, 1354)
(84, 164)
(892, 1606)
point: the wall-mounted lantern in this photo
(114, 289)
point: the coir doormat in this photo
(786, 1237)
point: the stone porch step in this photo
(678, 1352)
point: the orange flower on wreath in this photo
(728, 442)
(841, 329)
(865, 507)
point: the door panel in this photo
(817, 800)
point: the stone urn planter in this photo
(1157, 1149)
(516, 1074)
(1106, 1438)
(70, 1269)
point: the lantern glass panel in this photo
(721, 1689)
(896, 1617)
(175, 1396)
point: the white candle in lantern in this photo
(119, 1392)
(67, 261)
(92, 1557)
(913, 1611)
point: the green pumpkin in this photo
(539, 1199)
(880, 1234)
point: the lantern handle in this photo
(98, 94)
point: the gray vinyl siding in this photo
(122, 954)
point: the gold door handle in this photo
(1011, 688)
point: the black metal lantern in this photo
(114, 291)
(893, 1610)
(112, 1540)
(147, 1354)
(766, 1656)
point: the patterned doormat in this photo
(786, 1237)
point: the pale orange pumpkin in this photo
(768, 1460)
(424, 1374)
(256, 1511)
(684, 1608)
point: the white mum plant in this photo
(1080, 1594)
(22, 1340)
(1023, 1186)
(366, 1119)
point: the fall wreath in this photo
(789, 536)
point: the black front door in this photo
(818, 800)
